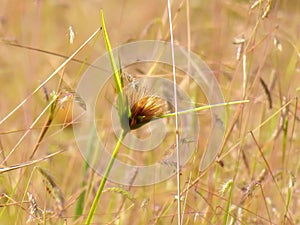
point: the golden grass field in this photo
(253, 49)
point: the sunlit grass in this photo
(253, 180)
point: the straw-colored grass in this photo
(253, 48)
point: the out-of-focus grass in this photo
(271, 53)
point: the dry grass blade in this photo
(52, 106)
(29, 163)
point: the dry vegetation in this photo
(255, 177)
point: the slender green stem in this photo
(204, 107)
(105, 176)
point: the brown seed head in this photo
(142, 105)
(145, 109)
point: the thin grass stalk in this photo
(245, 76)
(284, 141)
(204, 108)
(176, 116)
(28, 163)
(48, 121)
(84, 62)
(104, 179)
(265, 202)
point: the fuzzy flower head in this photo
(147, 108)
(142, 107)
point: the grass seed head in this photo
(33, 208)
(147, 108)
(54, 191)
(142, 105)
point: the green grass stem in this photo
(104, 179)
(204, 108)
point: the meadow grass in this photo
(253, 50)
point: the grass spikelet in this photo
(256, 3)
(34, 210)
(71, 34)
(249, 190)
(267, 9)
(121, 191)
(240, 43)
(54, 191)
(146, 109)
(277, 43)
(228, 187)
(251, 187)
(225, 187)
(264, 5)
(267, 91)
